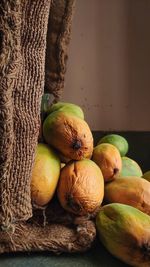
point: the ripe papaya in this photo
(69, 134)
(125, 232)
(108, 158)
(133, 191)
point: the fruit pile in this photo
(98, 180)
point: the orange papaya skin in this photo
(133, 191)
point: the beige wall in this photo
(109, 63)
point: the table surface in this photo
(97, 256)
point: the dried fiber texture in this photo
(9, 67)
(58, 38)
(61, 232)
(54, 237)
(23, 31)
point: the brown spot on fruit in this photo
(76, 144)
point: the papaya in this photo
(146, 175)
(118, 141)
(125, 233)
(69, 134)
(81, 187)
(133, 191)
(108, 158)
(45, 175)
(47, 107)
(67, 107)
(130, 168)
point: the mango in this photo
(125, 232)
(130, 168)
(133, 191)
(45, 175)
(108, 158)
(118, 141)
(69, 134)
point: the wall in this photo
(109, 63)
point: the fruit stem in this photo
(116, 170)
(72, 204)
(76, 144)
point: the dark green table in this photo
(97, 256)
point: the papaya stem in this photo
(116, 170)
(71, 203)
(76, 144)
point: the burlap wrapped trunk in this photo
(34, 36)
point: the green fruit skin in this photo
(118, 141)
(130, 168)
(46, 152)
(125, 232)
(146, 176)
(67, 107)
(49, 123)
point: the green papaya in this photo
(68, 107)
(125, 232)
(71, 108)
(118, 141)
(130, 168)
